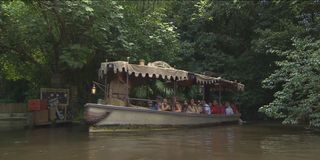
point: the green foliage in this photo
(152, 90)
(141, 92)
(217, 36)
(298, 75)
(237, 40)
(151, 36)
(75, 56)
(233, 39)
(41, 38)
(58, 34)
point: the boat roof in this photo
(159, 69)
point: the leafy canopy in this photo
(298, 75)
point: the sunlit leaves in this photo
(8, 69)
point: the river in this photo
(233, 142)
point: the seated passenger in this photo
(234, 108)
(158, 103)
(215, 107)
(198, 102)
(222, 109)
(206, 108)
(229, 110)
(198, 107)
(150, 105)
(153, 105)
(176, 106)
(165, 106)
(184, 106)
(192, 107)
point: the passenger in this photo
(215, 107)
(192, 107)
(198, 107)
(165, 106)
(234, 108)
(176, 106)
(206, 108)
(150, 105)
(198, 102)
(210, 104)
(222, 109)
(158, 103)
(229, 110)
(184, 106)
(153, 105)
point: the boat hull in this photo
(108, 115)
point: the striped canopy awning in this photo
(164, 71)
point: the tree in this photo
(288, 39)
(217, 36)
(66, 41)
(152, 36)
(58, 34)
(298, 75)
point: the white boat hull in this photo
(108, 115)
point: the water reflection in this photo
(221, 143)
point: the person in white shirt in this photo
(229, 110)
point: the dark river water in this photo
(233, 142)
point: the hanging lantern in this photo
(93, 89)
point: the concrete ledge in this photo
(14, 121)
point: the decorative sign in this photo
(54, 93)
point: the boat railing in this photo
(142, 99)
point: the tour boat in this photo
(117, 112)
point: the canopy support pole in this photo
(106, 94)
(220, 95)
(127, 98)
(174, 87)
(203, 92)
